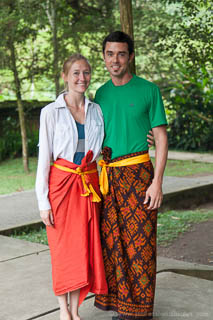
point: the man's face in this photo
(117, 58)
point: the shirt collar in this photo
(61, 103)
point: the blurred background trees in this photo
(173, 42)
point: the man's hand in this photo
(150, 139)
(47, 217)
(154, 194)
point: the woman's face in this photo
(78, 77)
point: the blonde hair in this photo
(72, 59)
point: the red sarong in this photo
(74, 240)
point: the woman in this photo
(71, 134)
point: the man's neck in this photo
(120, 81)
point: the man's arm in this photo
(154, 192)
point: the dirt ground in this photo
(195, 245)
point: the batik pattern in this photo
(128, 231)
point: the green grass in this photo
(14, 179)
(170, 225)
(180, 168)
(38, 236)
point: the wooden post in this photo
(126, 19)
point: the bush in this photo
(191, 113)
(186, 132)
(10, 140)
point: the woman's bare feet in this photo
(74, 300)
(64, 311)
(65, 315)
(76, 317)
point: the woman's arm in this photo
(44, 159)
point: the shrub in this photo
(191, 109)
(10, 140)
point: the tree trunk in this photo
(51, 11)
(126, 19)
(55, 48)
(20, 108)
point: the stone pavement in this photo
(26, 290)
(20, 209)
(184, 290)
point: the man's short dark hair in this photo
(119, 36)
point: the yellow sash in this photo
(103, 179)
(89, 189)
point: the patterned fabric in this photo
(128, 231)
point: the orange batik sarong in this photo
(128, 234)
(74, 240)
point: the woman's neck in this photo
(76, 106)
(75, 100)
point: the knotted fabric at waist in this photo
(87, 187)
(103, 180)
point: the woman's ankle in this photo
(65, 314)
(76, 317)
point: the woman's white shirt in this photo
(58, 138)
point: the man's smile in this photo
(115, 67)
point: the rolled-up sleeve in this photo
(46, 133)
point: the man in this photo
(132, 192)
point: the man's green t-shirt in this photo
(130, 111)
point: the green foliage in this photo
(32, 141)
(17, 25)
(189, 39)
(172, 223)
(191, 105)
(173, 41)
(10, 140)
(151, 24)
(29, 234)
(42, 43)
(176, 38)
